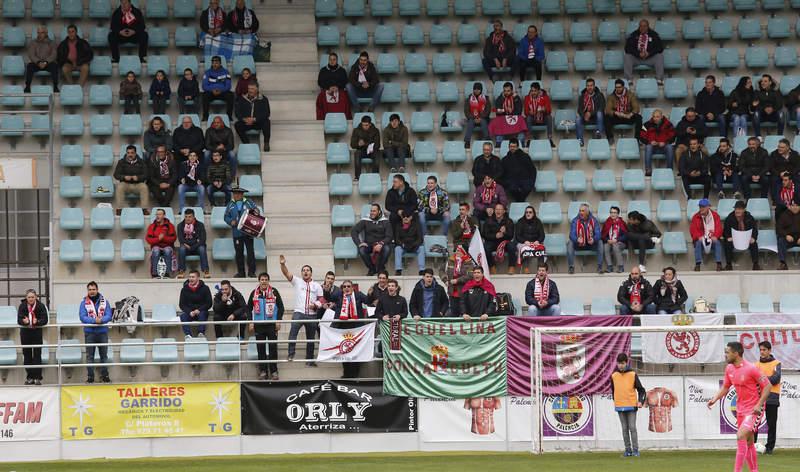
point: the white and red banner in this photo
(29, 413)
(785, 343)
(463, 420)
(478, 252)
(683, 347)
(356, 344)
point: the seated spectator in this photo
(476, 114)
(498, 50)
(428, 299)
(74, 54)
(784, 159)
(242, 20)
(187, 138)
(642, 235)
(195, 301)
(498, 237)
(584, 235)
(434, 205)
(740, 220)
(363, 82)
(395, 144)
(622, 108)
(332, 74)
(710, 105)
(41, 54)
(265, 304)
(408, 240)
(244, 81)
(528, 239)
(644, 47)
(768, 105)
(160, 92)
(219, 178)
(130, 91)
(366, 142)
(740, 105)
(127, 26)
(477, 297)
(229, 305)
(669, 295)
(519, 173)
(333, 100)
(156, 135)
(373, 237)
(725, 169)
(486, 164)
(753, 168)
(508, 120)
(487, 195)
(793, 104)
(401, 201)
(161, 238)
(242, 242)
(788, 232)
(32, 314)
(591, 104)
(614, 237)
(163, 176)
(192, 242)
(188, 91)
(541, 294)
(464, 227)
(131, 173)
(706, 230)
(530, 54)
(192, 177)
(212, 19)
(538, 110)
(219, 136)
(657, 134)
(635, 295)
(95, 313)
(217, 86)
(695, 168)
(691, 125)
(252, 113)
(784, 193)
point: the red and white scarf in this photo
(508, 105)
(622, 102)
(163, 168)
(535, 107)
(216, 18)
(90, 309)
(787, 194)
(497, 41)
(615, 229)
(193, 169)
(247, 15)
(708, 224)
(500, 253)
(522, 248)
(459, 257)
(466, 229)
(362, 74)
(269, 301)
(585, 230)
(636, 293)
(641, 45)
(588, 102)
(32, 314)
(128, 18)
(348, 308)
(531, 50)
(487, 196)
(476, 105)
(541, 289)
(188, 231)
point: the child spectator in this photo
(130, 90)
(188, 91)
(219, 177)
(160, 92)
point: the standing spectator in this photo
(192, 176)
(41, 54)
(373, 237)
(229, 305)
(642, 235)
(408, 240)
(793, 103)
(538, 110)
(498, 237)
(584, 235)
(461, 274)
(393, 305)
(478, 297)
(768, 105)
(366, 141)
(725, 169)
(195, 301)
(379, 289)
(695, 168)
(784, 193)
(212, 19)
(770, 367)
(127, 26)
(163, 177)
(219, 136)
(428, 299)
(188, 91)
(245, 79)
(528, 238)
(541, 294)
(740, 105)
(131, 173)
(434, 205)
(241, 241)
(130, 91)
(330, 292)
(95, 313)
(710, 104)
(706, 230)
(669, 293)
(395, 144)
(635, 295)
(622, 108)
(74, 54)
(691, 126)
(265, 304)
(784, 159)
(788, 232)
(477, 108)
(242, 20)
(332, 74)
(156, 135)
(753, 168)
(487, 195)
(614, 237)
(192, 242)
(31, 316)
(498, 50)
(629, 395)
(401, 201)
(644, 47)
(591, 104)
(348, 305)
(160, 92)
(308, 298)
(363, 82)
(161, 238)
(252, 113)
(217, 86)
(530, 54)
(219, 178)
(464, 227)
(508, 120)
(740, 220)
(486, 164)
(657, 134)
(187, 138)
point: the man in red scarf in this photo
(212, 19)
(584, 235)
(477, 297)
(541, 294)
(784, 193)
(476, 112)
(644, 47)
(591, 105)
(127, 26)
(498, 51)
(508, 120)
(635, 295)
(622, 108)
(363, 82)
(265, 304)
(538, 111)
(487, 195)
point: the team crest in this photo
(567, 415)
(511, 120)
(348, 344)
(439, 354)
(682, 344)
(570, 362)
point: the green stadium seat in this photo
(668, 211)
(353, 8)
(101, 186)
(14, 37)
(388, 63)
(693, 30)
(71, 219)
(756, 57)
(196, 349)
(324, 9)
(552, 33)
(604, 180)
(381, 8)
(164, 350)
(546, 181)
(549, 7)
(70, 250)
(102, 218)
(444, 63)
(721, 29)
(749, 28)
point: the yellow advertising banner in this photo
(150, 410)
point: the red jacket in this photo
(696, 227)
(663, 133)
(529, 104)
(155, 229)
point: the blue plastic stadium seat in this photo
(71, 155)
(687, 6)
(100, 95)
(630, 6)
(13, 96)
(520, 7)
(196, 350)
(71, 219)
(101, 125)
(227, 349)
(749, 29)
(71, 95)
(693, 30)
(157, 63)
(699, 58)
(778, 28)
(242, 62)
(388, 63)
(129, 64)
(131, 219)
(549, 7)
(574, 181)
(727, 58)
(729, 303)
(419, 92)
(598, 150)
(101, 186)
(344, 248)
(253, 184)
(391, 93)
(744, 5)
(11, 126)
(647, 89)
(385, 35)
(453, 152)
(633, 180)
(785, 57)
(580, 32)
(666, 29)
(99, 9)
(157, 9)
(585, 61)
(662, 180)
(673, 243)
(569, 150)
(546, 181)
(101, 250)
(13, 66)
(446, 92)
(185, 37)
(421, 122)
(675, 89)
(552, 33)
(14, 37)
(100, 66)
(132, 354)
(756, 57)
(516, 210)
(444, 63)
(325, 9)
(471, 63)
(604, 180)
(550, 213)
(668, 211)
(130, 125)
(789, 303)
(381, 8)
(343, 216)
(222, 249)
(71, 125)
(602, 306)
(42, 9)
(102, 218)
(576, 7)
(335, 123)
(721, 29)
(328, 35)
(760, 303)
(458, 183)
(71, 250)
(13, 9)
(557, 61)
(370, 184)
(612, 60)
(185, 9)
(415, 63)
(250, 154)
(673, 59)
(412, 35)
(66, 353)
(759, 208)
(158, 38)
(424, 152)
(608, 32)
(340, 185)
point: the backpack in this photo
(505, 305)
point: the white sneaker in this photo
(187, 337)
(203, 335)
(642, 269)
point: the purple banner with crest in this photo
(574, 363)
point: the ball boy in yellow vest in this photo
(629, 395)
(772, 369)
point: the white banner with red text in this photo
(785, 343)
(29, 413)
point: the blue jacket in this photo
(538, 48)
(573, 235)
(86, 319)
(160, 86)
(219, 79)
(233, 213)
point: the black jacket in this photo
(257, 108)
(740, 101)
(779, 164)
(793, 98)
(731, 223)
(407, 201)
(204, 20)
(682, 134)
(774, 379)
(328, 77)
(191, 139)
(85, 53)
(155, 172)
(188, 88)
(409, 239)
(624, 292)
(646, 227)
(234, 21)
(265, 328)
(417, 301)
(770, 97)
(199, 299)
(724, 161)
(215, 137)
(754, 163)
(482, 167)
(654, 46)
(392, 305)
(136, 168)
(529, 230)
(788, 224)
(692, 161)
(199, 174)
(518, 166)
(40, 311)
(476, 302)
(376, 294)
(371, 231)
(553, 297)
(199, 237)
(361, 301)
(492, 226)
(371, 76)
(116, 21)
(235, 306)
(598, 99)
(498, 105)
(713, 102)
(491, 52)
(664, 301)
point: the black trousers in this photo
(728, 246)
(242, 128)
(32, 68)
(525, 64)
(237, 316)
(208, 97)
(772, 426)
(263, 333)
(114, 40)
(747, 180)
(240, 244)
(641, 243)
(361, 153)
(350, 370)
(132, 104)
(704, 180)
(32, 355)
(163, 195)
(610, 121)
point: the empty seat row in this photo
(413, 8)
(97, 9)
(133, 250)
